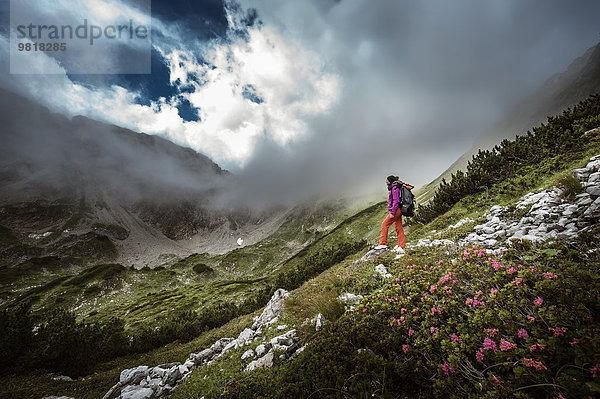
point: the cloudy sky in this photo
(315, 94)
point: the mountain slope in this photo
(65, 178)
(580, 80)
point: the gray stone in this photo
(582, 174)
(319, 321)
(62, 378)
(518, 235)
(585, 200)
(594, 177)
(200, 356)
(245, 335)
(593, 166)
(286, 339)
(273, 308)
(232, 345)
(248, 354)
(134, 392)
(220, 344)
(189, 364)
(490, 243)
(382, 271)
(488, 230)
(265, 361)
(157, 372)
(593, 211)
(134, 375)
(173, 375)
(593, 191)
(261, 350)
(570, 210)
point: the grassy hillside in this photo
(452, 322)
(435, 361)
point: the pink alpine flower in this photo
(558, 331)
(523, 333)
(575, 341)
(496, 380)
(466, 254)
(432, 288)
(535, 364)
(441, 262)
(490, 332)
(434, 330)
(447, 289)
(411, 332)
(531, 319)
(595, 370)
(447, 369)
(532, 269)
(479, 355)
(469, 301)
(478, 294)
(480, 253)
(517, 281)
(493, 291)
(536, 347)
(455, 338)
(559, 396)
(445, 278)
(435, 310)
(538, 301)
(550, 275)
(489, 344)
(506, 346)
(495, 264)
(511, 270)
(405, 348)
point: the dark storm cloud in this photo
(419, 81)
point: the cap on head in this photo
(392, 179)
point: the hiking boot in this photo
(380, 246)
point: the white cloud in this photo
(292, 85)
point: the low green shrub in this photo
(469, 324)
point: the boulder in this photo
(218, 346)
(594, 178)
(265, 361)
(593, 211)
(381, 269)
(248, 354)
(593, 191)
(136, 392)
(200, 356)
(273, 308)
(261, 350)
(133, 376)
(245, 336)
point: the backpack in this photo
(407, 200)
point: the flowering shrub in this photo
(484, 336)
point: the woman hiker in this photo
(394, 217)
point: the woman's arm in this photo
(395, 200)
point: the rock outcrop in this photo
(145, 382)
(548, 216)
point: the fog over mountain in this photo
(323, 97)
